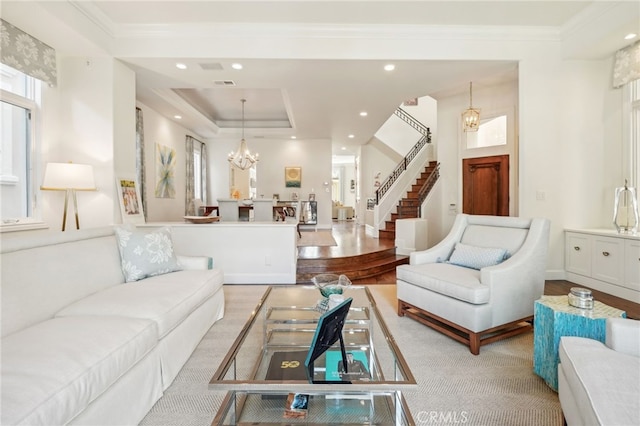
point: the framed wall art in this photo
(130, 201)
(165, 171)
(293, 177)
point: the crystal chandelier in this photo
(242, 158)
(471, 117)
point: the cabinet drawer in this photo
(607, 258)
(578, 254)
(632, 265)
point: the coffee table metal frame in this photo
(290, 327)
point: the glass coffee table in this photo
(258, 371)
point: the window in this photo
(492, 132)
(19, 95)
(198, 178)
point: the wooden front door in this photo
(486, 185)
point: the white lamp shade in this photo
(59, 176)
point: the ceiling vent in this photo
(211, 66)
(224, 82)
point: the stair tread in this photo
(350, 259)
(360, 265)
(357, 271)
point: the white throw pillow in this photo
(476, 257)
(146, 253)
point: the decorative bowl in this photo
(247, 202)
(202, 219)
(329, 284)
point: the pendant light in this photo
(242, 158)
(471, 117)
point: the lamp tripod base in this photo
(75, 208)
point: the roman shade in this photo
(626, 66)
(27, 54)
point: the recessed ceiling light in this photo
(181, 66)
(236, 66)
(351, 136)
(344, 148)
(177, 117)
(389, 67)
(363, 114)
(293, 137)
(630, 36)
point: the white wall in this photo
(86, 116)
(399, 135)
(313, 156)
(569, 150)
(160, 130)
(372, 162)
(451, 143)
(349, 175)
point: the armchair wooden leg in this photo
(474, 343)
(400, 308)
(469, 338)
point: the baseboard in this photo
(604, 287)
(555, 274)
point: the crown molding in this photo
(93, 13)
(330, 31)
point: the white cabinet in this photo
(604, 260)
(632, 264)
(578, 253)
(607, 259)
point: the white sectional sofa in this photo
(599, 384)
(82, 346)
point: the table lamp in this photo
(70, 178)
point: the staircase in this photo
(409, 206)
(381, 264)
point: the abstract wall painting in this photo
(293, 177)
(165, 171)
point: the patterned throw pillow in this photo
(146, 253)
(476, 257)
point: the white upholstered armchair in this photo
(479, 284)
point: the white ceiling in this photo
(314, 97)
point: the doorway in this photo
(485, 183)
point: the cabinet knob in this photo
(605, 253)
(576, 248)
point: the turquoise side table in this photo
(554, 318)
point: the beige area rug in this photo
(497, 387)
(316, 239)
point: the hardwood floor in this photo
(353, 241)
(358, 256)
(561, 287)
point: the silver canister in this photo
(581, 298)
